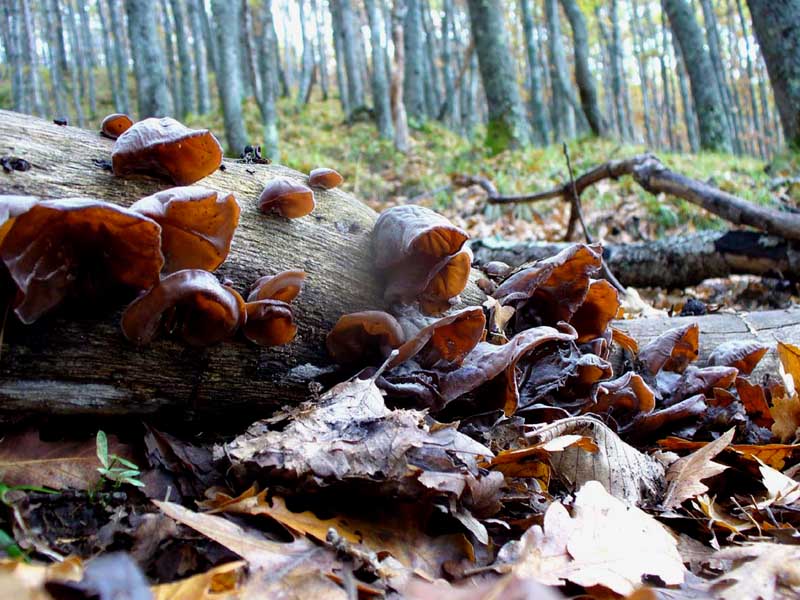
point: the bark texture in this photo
(229, 75)
(777, 27)
(674, 262)
(508, 126)
(68, 364)
(714, 133)
(148, 60)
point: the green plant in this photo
(115, 468)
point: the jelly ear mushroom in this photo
(366, 337)
(269, 323)
(197, 225)
(75, 246)
(115, 125)
(325, 178)
(166, 148)
(10, 208)
(285, 286)
(191, 303)
(287, 198)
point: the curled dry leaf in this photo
(398, 530)
(762, 571)
(626, 473)
(685, 475)
(350, 436)
(605, 542)
(627, 395)
(774, 455)
(223, 580)
(26, 581)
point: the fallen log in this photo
(673, 262)
(69, 364)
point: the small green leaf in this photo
(125, 462)
(102, 448)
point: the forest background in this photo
(401, 96)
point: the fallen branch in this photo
(651, 174)
(673, 262)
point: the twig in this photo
(577, 213)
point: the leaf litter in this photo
(544, 455)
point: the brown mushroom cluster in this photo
(165, 247)
(421, 256)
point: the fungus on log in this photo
(82, 364)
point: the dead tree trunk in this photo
(68, 364)
(673, 262)
(65, 364)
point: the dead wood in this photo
(80, 364)
(673, 262)
(652, 175)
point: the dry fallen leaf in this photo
(397, 532)
(625, 472)
(604, 543)
(781, 490)
(25, 581)
(719, 518)
(685, 475)
(27, 460)
(220, 583)
(764, 571)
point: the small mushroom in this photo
(366, 337)
(75, 245)
(115, 125)
(164, 147)
(285, 286)
(197, 225)
(191, 303)
(10, 208)
(287, 198)
(269, 323)
(325, 178)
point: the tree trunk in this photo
(777, 27)
(565, 105)
(641, 63)
(307, 62)
(31, 59)
(380, 79)
(170, 60)
(88, 47)
(355, 88)
(541, 131)
(338, 48)
(229, 76)
(449, 112)
(70, 364)
(188, 98)
(77, 71)
(398, 74)
(60, 53)
(267, 47)
(148, 63)
(414, 61)
(57, 85)
(751, 83)
(200, 56)
(108, 54)
(674, 262)
(321, 55)
(708, 103)
(616, 68)
(508, 126)
(120, 54)
(13, 41)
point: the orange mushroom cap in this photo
(412, 232)
(368, 336)
(59, 246)
(115, 125)
(10, 208)
(269, 323)
(165, 147)
(285, 286)
(287, 198)
(325, 178)
(191, 302)
(197, 225)
(598, 309)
